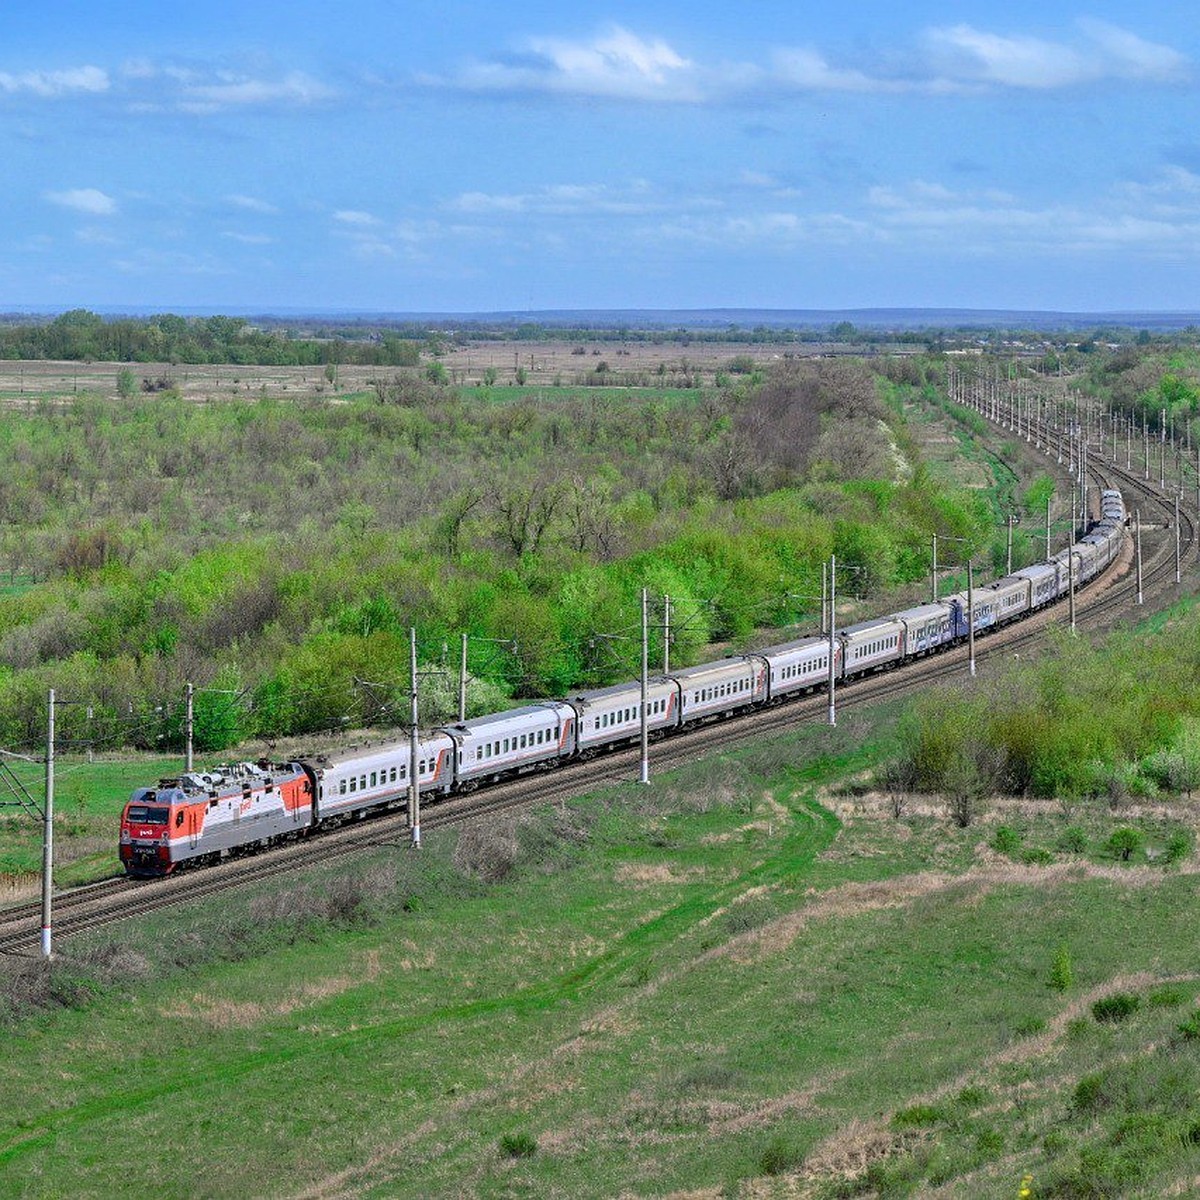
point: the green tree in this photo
(127, 384)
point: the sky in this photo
(457, 156)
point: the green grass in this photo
(88, 798)
(696, 984)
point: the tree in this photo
(1125, 842)
(525, 511)
(127, 384)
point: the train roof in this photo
(813, 640)
(618, 689)
(865, 626)
(517, 716)
(372, 750)
(923, 612)
(736, 662)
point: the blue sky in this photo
(461, 156)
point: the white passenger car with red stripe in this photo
(799, 666)
(517, 740)
(363, 777)
(716, 688)
(614, 714)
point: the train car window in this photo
(179, 818)
(342, 788)
(393, 778)
(362, 783)
(354, 785)
(374, 779)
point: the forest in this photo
(274, 553)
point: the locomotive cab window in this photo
(140, 814)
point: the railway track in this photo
(1100, 605)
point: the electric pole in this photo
(414, 780)
(189, 727)
(48, 834)
(832, 637)
(645, 772)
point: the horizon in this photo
(705, 319)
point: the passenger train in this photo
(202, 817)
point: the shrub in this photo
(1073, 840)
(1125, 842)
(1112, 1009)
(487, 850)
(518, 1145)
(1178, 847)
(1191, 1028)
(1006, 840)
(916, 1116)
(780, 1156)
(1062, 974)
(1170, 995)
(1091, 1094)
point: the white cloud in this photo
(615, 64)
(252, 204)
(95, 237)
(85, 200)
(567, 199)
(921, 214)
(206, 88)
(967, 55)
(1128, 56)
(248, 239)
(349, 216)
(962, 54)
(56, 83)
(619, 65)
(230, 90)
(805, 69)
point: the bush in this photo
(780, 1156)
(487, 850)
(1178, 847)
(1190, 1029)
(518, 1145)
(1006, 840)
(1073, 840)
(1125, 843)
(1112, 1009)
(1037, 856)
(917, 1116)
(1091, 1094)
(1170, 995)
(1062, 974)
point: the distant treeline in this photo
(83, 336)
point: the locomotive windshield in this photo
(141, 814)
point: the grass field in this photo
(748, 979)
(88, 802)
